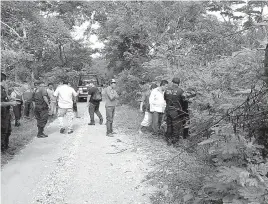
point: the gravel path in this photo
(85, 167)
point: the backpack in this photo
(97, 96)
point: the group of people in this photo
(165, 103)
(159, 103)
(60, 102)
(23, 96)
(48, 102)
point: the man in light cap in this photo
(5, 114)
(174, 112)
(111, 97)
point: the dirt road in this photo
(84, 167)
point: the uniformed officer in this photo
(41, 107)
(174, 112)
(5, 114)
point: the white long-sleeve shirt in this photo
(65, 96)
(157, 101)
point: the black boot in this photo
(109, 130)
(41, 133)
(112, 129)
(91, 123)
(17, 123)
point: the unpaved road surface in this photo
(83, 167)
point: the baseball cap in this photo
(113, 81)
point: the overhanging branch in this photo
(12, 29)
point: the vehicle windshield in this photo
(86, 82)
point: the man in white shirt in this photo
(65, 95)
(158, 105)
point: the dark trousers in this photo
(27, 107)
(17, 111)
(94, 108)
(156, 121)
(185, 129)
(41, 115)
(5, 132)
(74, 106)
(110, 110)
(174, 128)
(186, 118)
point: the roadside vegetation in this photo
(223, 59)
(20, 137)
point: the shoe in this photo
(42, 135)
(169, 143)
(17, 124)
(70, 131)
(62, 130)
(101, 121)
(114, 132)
(91, 123)
(109, 135)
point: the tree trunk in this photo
(16, 74)
(61, 55)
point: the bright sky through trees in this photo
(93, 41)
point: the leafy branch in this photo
(13, 30)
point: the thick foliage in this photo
(59, 73)
(224, 74)
(35, 38)
(240, 175)
(129, 88)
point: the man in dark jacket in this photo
(41, 107)
(5, 114)
(174, 112)
(93, 103)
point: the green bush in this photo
(129, 88)
(240, 175)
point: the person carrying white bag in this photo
(145, 107)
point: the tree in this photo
(40, 37)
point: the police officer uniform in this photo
(174, 112)
(5, 119)
(41, 109)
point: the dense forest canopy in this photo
(36, 36)
(221, 57)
